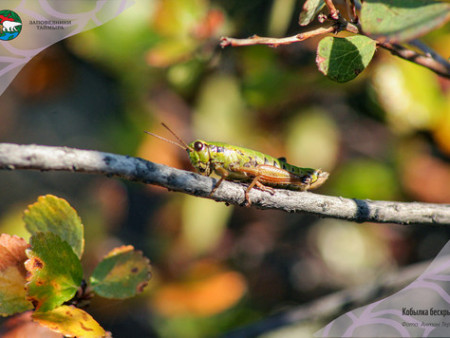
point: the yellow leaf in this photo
(70, 321)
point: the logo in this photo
(10, 25)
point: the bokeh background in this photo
(385, 135)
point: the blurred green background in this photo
(385, 135)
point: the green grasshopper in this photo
(233, 163)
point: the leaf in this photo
(55, 272)
(122, 273)
(70, 321)
(402, 20)
(54, 214)
(310, 9)
(342, 59)
(12, 275)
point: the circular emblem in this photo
(10, 25)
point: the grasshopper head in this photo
(198, 151)
(199, 156)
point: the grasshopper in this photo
(233, 163)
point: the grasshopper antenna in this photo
(183, 144)
(177, 137)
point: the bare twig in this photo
(429, 52)
(334, 304)
(275, 42)
(430, 59)
(441, 68)
(45, 158)
(351, 6)
(334, 13)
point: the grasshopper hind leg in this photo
(255, 182)
(258, 185)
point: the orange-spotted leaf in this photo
(122, 273)
(70, 321)
(54, 214)
(54, 271)
(12, 275)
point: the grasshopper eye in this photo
(198, 146)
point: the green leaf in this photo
(342, 59)
(310, 9)
(402, 20)
(70, 321)
(54, 214)
(55, 272)
(12, 275)
(123, 273)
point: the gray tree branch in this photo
(46, 158)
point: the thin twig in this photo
(334, 13)
(353, 15)
(441, 68)
(274, 42)
(45, 158)
(430, 60)
(429, 51)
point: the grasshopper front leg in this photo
(223, 176)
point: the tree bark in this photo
(46, 158)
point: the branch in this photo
(334, 304)
(334, 13)
(274, 42)
(352, 6)
(46, 158)
(428, 51)
(430, 59)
